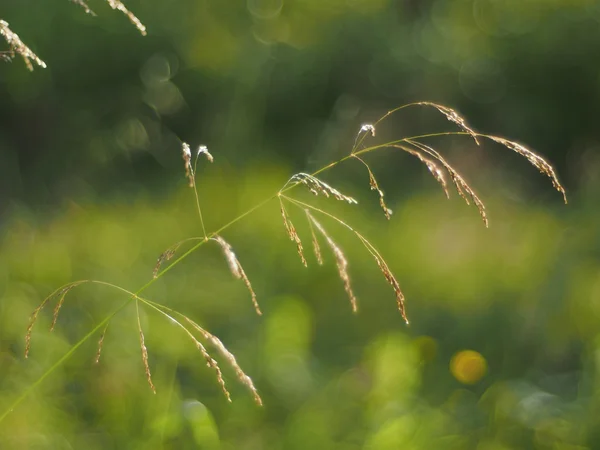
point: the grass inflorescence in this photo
(441, 170)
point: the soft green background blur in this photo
(504, 343)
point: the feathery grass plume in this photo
(236, 268)
(17, 47)
(292, 233)
(462, 187)
(143, 348)
(119, 6)
(100, 344)
(85, 6)
(317, 187)
(315, 241)
(216, 342)
(537, 161)
(340, 260)
(187, 161)
(375, 187)
(61, 293)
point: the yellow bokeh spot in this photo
(468, 366)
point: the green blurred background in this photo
(504, 342)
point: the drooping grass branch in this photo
(412, 145)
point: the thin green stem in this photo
(198, 199)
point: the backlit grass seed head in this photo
(100, 345)
(292, 233)
(315, 241)
(375, 187)
(204, 151)
(119, 6)
(60, 293)
(537, 161)
(241, 375)
(317, 187)
(236, 269)
(85, 6)
(340, 260)
(165, 256)
(187, 161)
(17, 47)
(454, 117)
(462, 187)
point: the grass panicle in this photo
(85, 6)
(315, 240)
(60, 293)
(375, 187)
(414, 145)
(17, 47)
(340, 261)
(119, 6)
(318, 187)
(292, 233)
(100, 344)
(536, 160)
(143, 348)
(462, 187)
(236, 268)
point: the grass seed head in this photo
(453, 116)
(119, 6)
(317, 187)
(340, 260)
(16, 46)
(292, 233)
(236, 269)
(204, 151)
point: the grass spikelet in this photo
(165, 256)
(453, 116)
(144, 349)
(389, 276)
(85, 6)
(100, 345)
(340, 260)
(462, 187)
(119, 6)
(236, 268)
(375, 187)
(317, 187)
(203, 150)
(315, 241)
(62, 292)
(17, 47)
(187, 161)
(292, 233)
(241, 375)
(537, 161)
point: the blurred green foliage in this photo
(502, 350)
